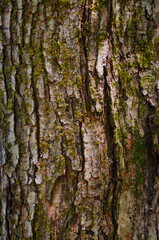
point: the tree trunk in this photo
(79, 117)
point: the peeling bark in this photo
(79, 116)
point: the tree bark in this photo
(79, 116)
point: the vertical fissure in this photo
(46, 78)
(84, 34)
(156, 223)
(36, 111)
(46, 81)
(110, 126)
(8, 208)
(11, 34)
(109, 130)
(82, 147)
(4, 75)
(33, 85)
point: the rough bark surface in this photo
(79, 115)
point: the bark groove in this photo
(79, 117)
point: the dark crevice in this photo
(97, 51)
(109, 131)
(8, 208)
(11, 34)
(46, 79)
(4, 62)
(36, 111)
(33, 85)
(23, 22)
(84, 66)
(82, 154)
(150, 166)
(17, 75)
(156, 224)
(4, 74)
(110, 15)
(7, 226)
(82, 146)
(105, 237)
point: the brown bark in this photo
(79, 119)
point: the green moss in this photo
(140, 148)
(60, 164)
(102, 3)
(145, 50)
(65, 4)
(140, 177)
(42, 224)
(44, 146)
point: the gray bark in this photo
(79, 118)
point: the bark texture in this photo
(79, 115)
